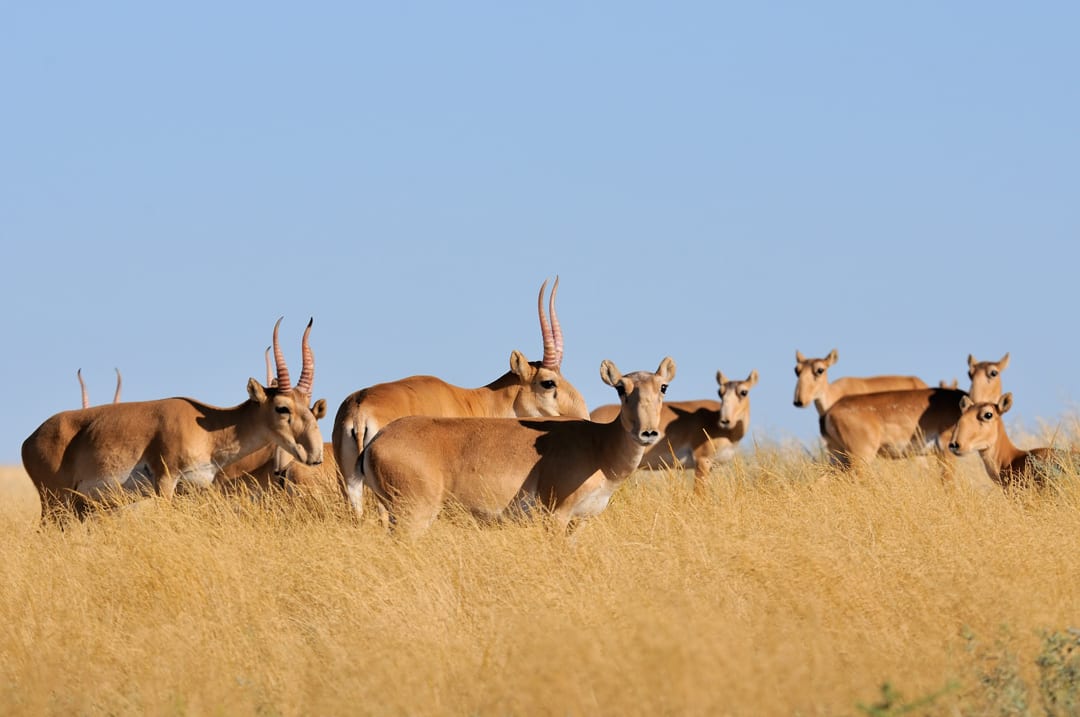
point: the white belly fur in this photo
(595, 502)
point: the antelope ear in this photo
(831, 358)
(799, 357)
(752, 378)
(319, 409)
(666, 370)
(966, 403)
(255, 391)
(609, 374)
(519, 365)
(1004, 403)
(971, 363)
(721, 379)
(1004, 362)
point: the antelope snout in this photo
(647, 438)
(726, 423)
(315, 455)
(798, 403)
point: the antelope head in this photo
(285, 408)
(641, 395)
(734, 398)
(986, 378)
(977, 429)
(544, 390)
(812, 377)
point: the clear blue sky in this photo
(722, 183)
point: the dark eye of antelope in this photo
(796, 370)
(993, 373)
(988, 416)
(547, 384)
(284, 410)
(744, 393)
(663, 388)
(819, 371)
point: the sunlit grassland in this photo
(787, 589)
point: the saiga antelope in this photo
(535, 388)
(495, 466)
(697, 434)
(86, 396)
(812, 386)
(85, 454)
(812, 383)
(980, 428)
(272, 466)
(901, 423)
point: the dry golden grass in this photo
(788, 589)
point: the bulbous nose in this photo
(649, 435)
(798, 403)
(725, 422)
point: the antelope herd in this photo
(522, 444)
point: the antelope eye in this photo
(284, 410)
(993, 373)
(663, 388)
(819, 371)
(796, 370)
(548, 384)
(744, 393)
(988, 416)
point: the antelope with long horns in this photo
(535, 388)
(270, 466)
(85, 454)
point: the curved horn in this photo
(119, 385)
(82, 388)
(550, 356)
(555, 328)
(269, 369)
(283, 381)
(307, 372)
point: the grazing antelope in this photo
(812, 383)
(901, 423)
(495, 466)
(85, 454)
(529, 389)
(697, 434)
(981, 429)
(86, 397)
